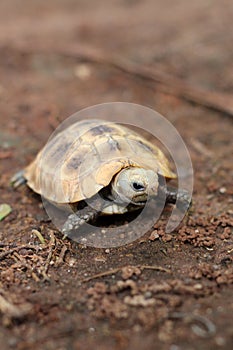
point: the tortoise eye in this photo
(138, 187)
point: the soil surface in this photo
(162, 291)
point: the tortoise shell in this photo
(83, 158)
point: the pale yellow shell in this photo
(82, 159)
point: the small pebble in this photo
(222, 190)
(220, 341)
(147, 294)
(72, 262)
(91, 330)
(154, 235)
(198, 286)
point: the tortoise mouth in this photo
(140, 199)
(139, 202)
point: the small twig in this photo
(60, 260)
(52, 245)
(15, 249)
(117, 269)
(154, 267)
(102, 274)
(24, 263)
(39, 236)
(208, 328)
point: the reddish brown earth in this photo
(46, 299)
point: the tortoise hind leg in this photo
(18, 179)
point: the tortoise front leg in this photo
(75, 220)
(85, 215)
(181, 198)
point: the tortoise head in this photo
(134, 185)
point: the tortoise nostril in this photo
(138, 186)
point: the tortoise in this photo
(106, 166)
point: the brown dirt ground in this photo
(43, 303)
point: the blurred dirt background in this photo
(59, 56)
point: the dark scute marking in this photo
(148, 148)
(101, 129)
(74, 163)
(114, 145)
(61, 150)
